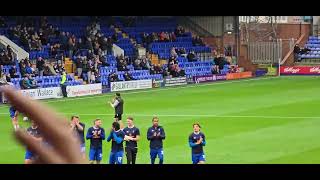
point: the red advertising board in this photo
(300, 70)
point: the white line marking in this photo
(154, 90)
(193, 115)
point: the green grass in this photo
(273, 120)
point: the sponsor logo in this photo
(291, 69)
(315, 70)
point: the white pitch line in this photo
(155, 90)
(194, 115)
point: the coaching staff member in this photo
(117, 104)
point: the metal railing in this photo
(269, 52)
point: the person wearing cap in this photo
(117, 104)
(196, 142)
(78, 127)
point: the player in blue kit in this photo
(14, 117)
(117, 137)
(35, 133)
(156, 135)
(96, 135)
(196, 142)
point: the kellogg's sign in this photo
(300, 70)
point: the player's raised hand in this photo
(64, 146)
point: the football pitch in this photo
(266, 120)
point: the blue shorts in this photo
(83, 148)
(116, 157)
(156, 152)
(196, 158)
(28, 155)
(95, 154)
(12, 113)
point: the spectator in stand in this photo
(79, 64)
(197, 41)
(128, 77)
(23, 71)
(63, 39)
(10, 52)
(32, 82)
(179, 31)
(97, 77)
(171, 62)
(13, 72)
(172, 37)
(166, 73)
(191, 57)
(92, 77)
(24, 83)
(215, 69)
(51, 67)
(46, 70)
(58, 68)
(176, 71)
(173, 52)
(113, 77)
(3, 79)
(71, 45)
(29, 69)
(166, 37)
(136, 64)
(90, 70)
(158, 69)
(183, 52)
(88, 44)
(55, 49)
(40, 65)
(152, 71)
(7, 59)
(143, 64)
(162, 36)
(85, 69)
(121, 66)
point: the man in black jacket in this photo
(40, 66)
(117, 104)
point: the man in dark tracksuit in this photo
(117, 136)
(196, 141)
(96, 135)
(155, 135)
(132, 135)
(117, 104)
